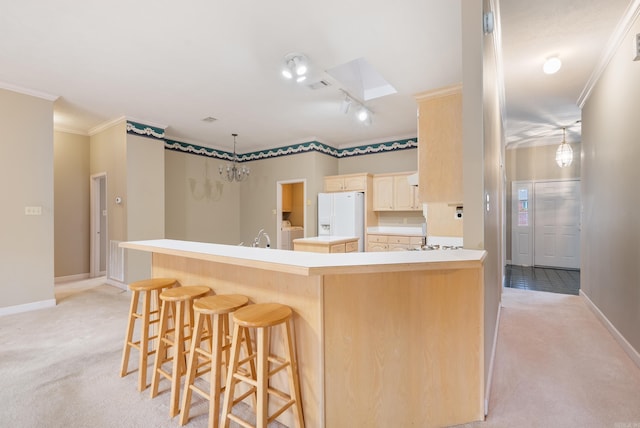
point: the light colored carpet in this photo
(557, 366)
(60, 367)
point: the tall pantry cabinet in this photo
(440, 145)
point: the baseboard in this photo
(76, 277)
(626, 346)
(507, 262)
(487, 392)
(27, 307)
(115, 283)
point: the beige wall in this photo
(533, 164)
(26, 179)
(199, 206)
(71, 204)
(108, 155)
(380, 163)
(258, 193)
(145, 203)
(610, 240)
(483, 147)
(202, 207)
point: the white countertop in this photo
(308, 263)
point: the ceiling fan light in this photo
(287, 73)
(552, 65)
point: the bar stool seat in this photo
(214, 310)
(179, 302)
(262, 317)
(150, 289)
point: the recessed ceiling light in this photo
(552, 65)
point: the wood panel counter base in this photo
(382, 339)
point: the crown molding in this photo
(616, 39)
(97, 129)
(71, 131)
(28, 91)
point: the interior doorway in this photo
(98, 225)
(291, 212)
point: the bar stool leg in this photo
(161, 352)
(294, 380)
(192, 368)
(262, 349)
(144, 341)
(231, 368)
(129, 337)
(178, 356)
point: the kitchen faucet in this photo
(261, 233)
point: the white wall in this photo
(26, 179)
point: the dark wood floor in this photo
(542, 279)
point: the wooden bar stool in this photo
(262, 317)
(178, 301)
(150, 289)
(215, 310)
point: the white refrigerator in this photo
(341, 214)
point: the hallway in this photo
(556, 365)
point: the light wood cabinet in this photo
(346, 183)
(287, 197)
(377, 242)
(316, 245)
(440, 145)
(392, 192)
(383, 193)
(405, 196)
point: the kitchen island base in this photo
(382, 339)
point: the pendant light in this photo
(564, 154)
(233, 172)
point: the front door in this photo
(557, 224)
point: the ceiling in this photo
(164, 64)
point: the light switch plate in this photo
(32, 210)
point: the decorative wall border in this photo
(145, 130)
(310, 146)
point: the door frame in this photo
(279, 206)
(96, 250)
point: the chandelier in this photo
(233, 172)
(564, 154)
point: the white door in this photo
(557, 224)
(522, 223)
(98, 239)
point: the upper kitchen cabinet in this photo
(392, 192)
(440, 145)
(346, 183)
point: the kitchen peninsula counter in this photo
(383, 339)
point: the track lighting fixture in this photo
(362, 113)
